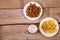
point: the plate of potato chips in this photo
(49, 27)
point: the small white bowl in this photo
(25, 8)
(32, 28)
(46, 34)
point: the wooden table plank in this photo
(46, 3)
(19, 32)
(11, 4)
(16, 16)
(13, 32)
(10, 16)
(55, 13)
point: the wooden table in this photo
(13, 24)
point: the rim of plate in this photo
(46, 34)
(37, 4)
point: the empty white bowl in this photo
(25, 8)
(46, 34)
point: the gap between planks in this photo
(21, 24)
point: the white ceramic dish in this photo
(25, 8)
(45, 34)
(32, 28)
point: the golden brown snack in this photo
(33, 10)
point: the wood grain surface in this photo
(55, 13)
(20, 32)
(11, 4)
(12, 18)
(17, 16)
(46, 3)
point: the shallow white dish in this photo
(45, 34)
(25, 8)
(32, 28)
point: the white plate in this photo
(25, 8)
(46, 34)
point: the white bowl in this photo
(25, 8)
(46, 34)
(32, 28)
